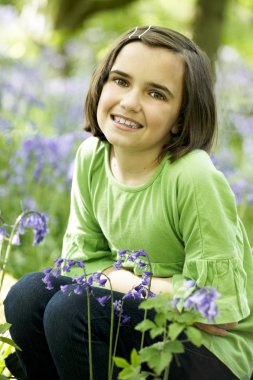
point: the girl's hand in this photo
(218, 329)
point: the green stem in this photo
(165, 337)
(89, 334)
(110, 360)
(9, 245)
(8, 249)
(117, 335)
(145, 311)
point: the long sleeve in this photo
(213, 237)
(83, 238)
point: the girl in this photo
(144, 180)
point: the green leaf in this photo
(131, 373)
(4, 327)
(121, 362)
(134, 359)
(161, 302)
(145, 325)
(156, 331)
(156, 356)
(175, 347)
(10, 342)
(187, 317)
(194, 335)
(175, 329)
(160, 318)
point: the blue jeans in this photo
(51, 329)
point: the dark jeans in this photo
(51, 329)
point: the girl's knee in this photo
(23, 294)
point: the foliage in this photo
(173, 323)
(28, 219)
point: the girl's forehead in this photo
(144, 53)
(142, 60)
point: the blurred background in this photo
(48, 50)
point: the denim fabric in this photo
(51, 329)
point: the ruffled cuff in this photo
(228, 277)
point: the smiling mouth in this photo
(128, 123)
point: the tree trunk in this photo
(70, 15)
(207, 25)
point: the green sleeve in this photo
(210, 228)
(83, 238)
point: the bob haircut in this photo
(197, 116)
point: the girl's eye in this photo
(157, 95)
(121, 82)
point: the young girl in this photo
(144, 180)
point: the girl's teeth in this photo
(126, 122)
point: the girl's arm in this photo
(123, 280)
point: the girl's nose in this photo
(131, 101)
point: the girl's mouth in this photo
(128, 123)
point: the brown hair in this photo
(197, 116)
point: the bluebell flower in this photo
(57, 272)
(125, 319)
(46, 279)
(64, 288)
(16, 239)
(119, 311)
(80, 264)
(203, 301)
(3, 233)
(35, 220)
(117, 304)
(58, 262)
(118, 264)
(68, 265)
(103, 300)
(78, 289)
(189, 284)
(97, 278)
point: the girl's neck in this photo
(132, 168)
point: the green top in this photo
(185, 218)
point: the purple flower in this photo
(64, 288)
(16, 239)
(58, 262)
(78, 289)
(80, 264)
(3, 233)
(203, 300)
(125, 319)
(132, 294)
(68, 265)
(46, 278)
(103, 300)
(57, 272)
(97, 278)
(118, 264)
(119, 311)
(117, 307)
(141, 264)
(80, 280)
(38, 222)
(189, 284)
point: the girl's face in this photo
(140, 102)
